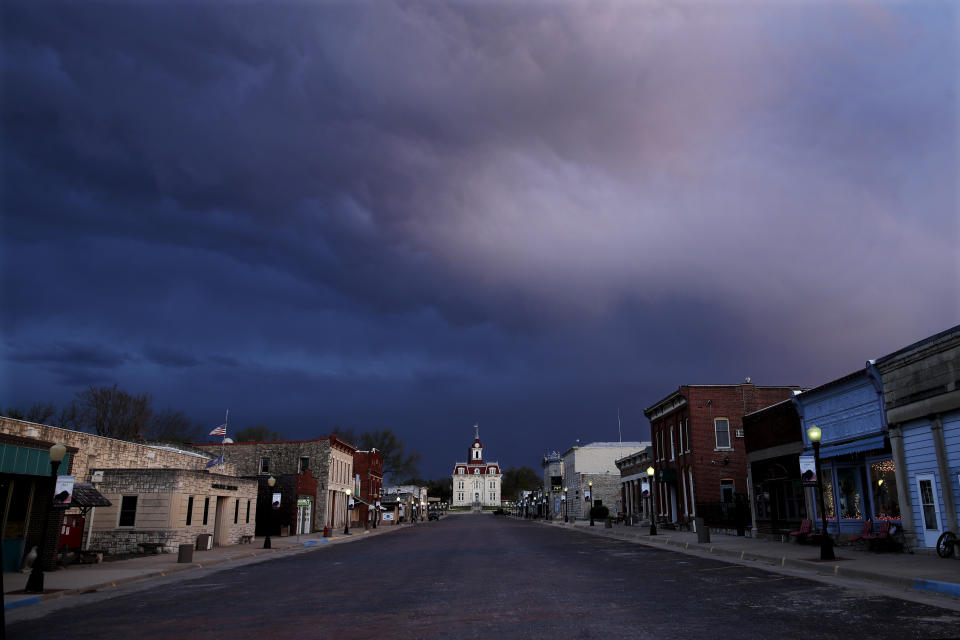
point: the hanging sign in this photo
(808, 471)
(63, 492)
(276, 500)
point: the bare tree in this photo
(42, 412)
(110, 411)
(256, 433)
(173, 426)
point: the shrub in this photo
(599, 512)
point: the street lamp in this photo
(271, 481)
(653, 519)
(826, 542)
(346, 519)
(35, 581)
(590, 502)
(564, 499)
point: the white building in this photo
(595, 463)
(476, 482)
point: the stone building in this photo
(594, 463)
(698, 450)
(170, 507)
(329, 459)
(553, 484)
(476, 482)
(26, 486)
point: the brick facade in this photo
(368, 465)
(692, 463)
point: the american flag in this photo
(219, 431)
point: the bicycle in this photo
(946, 543)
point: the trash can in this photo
(703, 531)
(186, 553)
(204, 542)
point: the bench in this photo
(247, 539)
(149, 547)
(883, 540)
(806, 528)
(865, 534)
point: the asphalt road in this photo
(481, 576)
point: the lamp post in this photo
(590, 502)
(35, 581)
(271, 481)
(346, 517)
(826, 542)
(564, 499)
(653, 518)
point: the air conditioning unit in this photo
(738, 433)
(96, 476)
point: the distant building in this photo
(329, 460)
(596, 463)
(476, 482)
(635, 484)
(368, 481)
(553, 484)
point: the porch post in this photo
(895, 432)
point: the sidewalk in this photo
(920, 571)
(80, 578)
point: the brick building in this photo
(329, 459)
(368, 481)
(635, 484)
(773, 441)
(699, 456)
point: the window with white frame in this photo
(722, 428)
(672, 454)
(686, 427)
(680, 436)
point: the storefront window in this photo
(883, 483)
(828, 494)
(851, 502)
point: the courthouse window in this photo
(189, 510)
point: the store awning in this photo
(864, 444)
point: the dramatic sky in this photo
(418, 216)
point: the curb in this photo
(309, 545)
(824, 569)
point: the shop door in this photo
(220, 532)
(929, 508)
(303, 517)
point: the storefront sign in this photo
(808, 471)
(303, 502)
(388, 515)
(276, 500)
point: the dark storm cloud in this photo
(89, 355)
(167, 357)
(424, 214)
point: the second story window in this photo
(264, 465)
(304, 464)
(722, 427)
(672, 454)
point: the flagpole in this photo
(226, 426)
